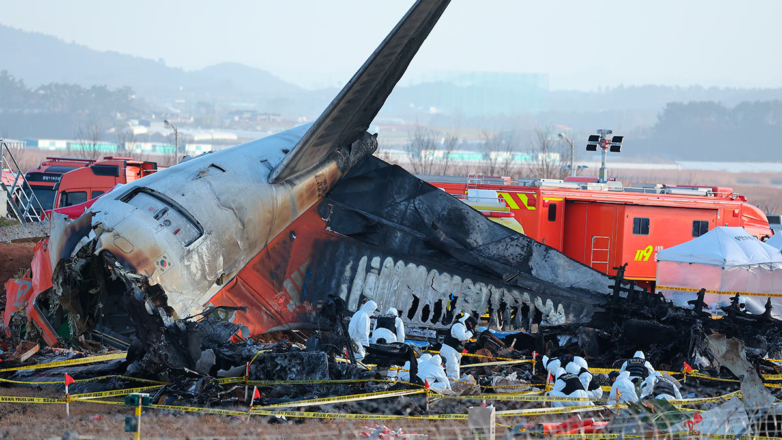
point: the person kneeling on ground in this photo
(658, 387)
(623, 389)
(569, 385)
(404, 376)
(433, 372)
(593, 389)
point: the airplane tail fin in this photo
(348, 116)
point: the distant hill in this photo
(42, 59)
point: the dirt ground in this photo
(44, 421)
(12, 258)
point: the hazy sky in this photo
(580, 44)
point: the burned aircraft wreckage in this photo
(263, 236)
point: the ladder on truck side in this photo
(24, 205)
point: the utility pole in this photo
(176, 140)
(572, 153)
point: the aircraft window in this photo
(72, 198)
(640, 226)
(97, 193)
(169, 216)
(700, 227)
(552, 212)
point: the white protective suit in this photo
(553, 365)
(647, 365)
(453, 359)
(647, 387)
(404, 376)
(586, 378)
(388, 335)
(358, 329)
(625, 387)
(561, 389)
(432, 371)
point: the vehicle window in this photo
(552, 212)
(169, 216)
(700, 227)
(640, 226)
(45, 195)
(72, 198)
(97, 193)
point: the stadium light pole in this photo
(176, 140)
(572, 153)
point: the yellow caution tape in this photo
(80, 361)
(555, 410)
(483, 356)
(338, 399)
(100, 402)
(699, 400)
(609, 370)
(15, 399)
(490, 364)
(223, 412)
(90, 379)
(517, 398)
(325, 415)
(718, 292)
(704, 376)
(113, 393)
(229, 380)
(521, 385)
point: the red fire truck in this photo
(79, 186)
(43, 178)
(605, 225)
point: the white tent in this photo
(775, 240)
(724, 261)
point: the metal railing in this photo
(22, 201)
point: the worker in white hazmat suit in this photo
(568, 384)
(623, 389)
(389, 328)
(404, 376)
(657, 386)
(593, 389)
(433, 372)
(358, 329)
(552, 365)
(451, 351)
(638, 367)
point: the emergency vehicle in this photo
(79, 186)
(43, 178)
(605, 225)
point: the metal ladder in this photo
(607, 250)
(24, 205)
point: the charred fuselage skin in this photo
(192, 227)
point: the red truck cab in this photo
(81, 185)
(44, 178)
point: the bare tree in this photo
(499, 153)
(429, 152)
(448, 145)
(126, 140)
(90, 138)
(546, 160)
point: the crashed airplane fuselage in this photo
(249, 227)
